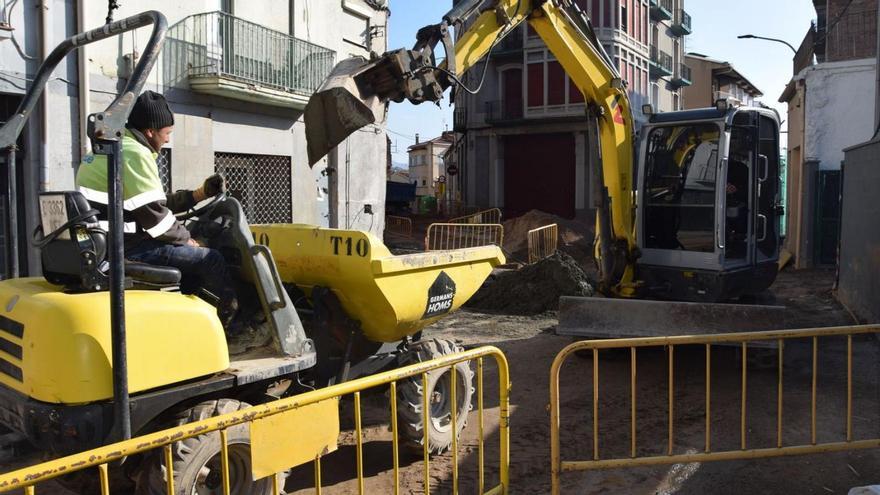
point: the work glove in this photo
(212, 186)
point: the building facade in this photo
(521, 141)
(830, 108)
(426, 164)
(237, 75)
(714, 80)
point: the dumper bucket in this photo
(339, 108)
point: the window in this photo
(680, 181)
(261, 183)
(536, 84)
(555, 83)
(548, 89)
(624, 17)
(608, 10)
(424, 182)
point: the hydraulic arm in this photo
(357, 90)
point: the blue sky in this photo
(715, 28)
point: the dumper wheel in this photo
(197, 460)
(410, 397)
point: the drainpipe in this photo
(45, 40)
(877, 82)
(291, 12)
(82, 58)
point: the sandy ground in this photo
(530, 346)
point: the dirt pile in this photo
(575, 238)
(533, 289)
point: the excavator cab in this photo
(708, 205)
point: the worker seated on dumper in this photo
(152, 234)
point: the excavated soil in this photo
(575, 238)
(533, 289)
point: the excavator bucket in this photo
(339, 108)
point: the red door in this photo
(539, 174)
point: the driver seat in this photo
(74, 250)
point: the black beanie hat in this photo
(150, 111)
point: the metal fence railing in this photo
(261, 183)
(219, 44)
(398, 225)
(267, 419)
(543, 242)
(443, 236)
(163, 163)
(491, 215)
(847, 441)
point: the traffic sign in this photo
(441, 179)
(452, 169)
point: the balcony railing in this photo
(682, 24)
(503, 111)
(661, 10)
(226, 55)
(661, 62)
(682, 76)
(512, 44)
(460, 118)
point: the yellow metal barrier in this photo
(442, 236)
(398, 225)
(670, 343)
(543, 242)
(101, 457)
(492, 215)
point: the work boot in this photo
(226, 310)
(242, 336)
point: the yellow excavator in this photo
(695, 219)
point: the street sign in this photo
(441, 179)
(452, 170)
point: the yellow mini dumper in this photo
(99, 349)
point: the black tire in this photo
(410, 399)
(196, 461)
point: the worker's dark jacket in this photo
(149, 213)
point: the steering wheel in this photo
(196, 212)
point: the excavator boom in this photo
(355, 94)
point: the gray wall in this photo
(859, 286)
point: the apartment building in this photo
(521, 140)
(830, 108)
(714, 80)
(237, 75)
(426, 164)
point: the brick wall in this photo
(847, 30)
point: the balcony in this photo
(460, 118)
(661, 10)
(683, 76)
(226, 56)
(510, 46)
(501, 111)
(661, 63)
(682, 24)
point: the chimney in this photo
(417, 138)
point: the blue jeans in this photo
(199, 266)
